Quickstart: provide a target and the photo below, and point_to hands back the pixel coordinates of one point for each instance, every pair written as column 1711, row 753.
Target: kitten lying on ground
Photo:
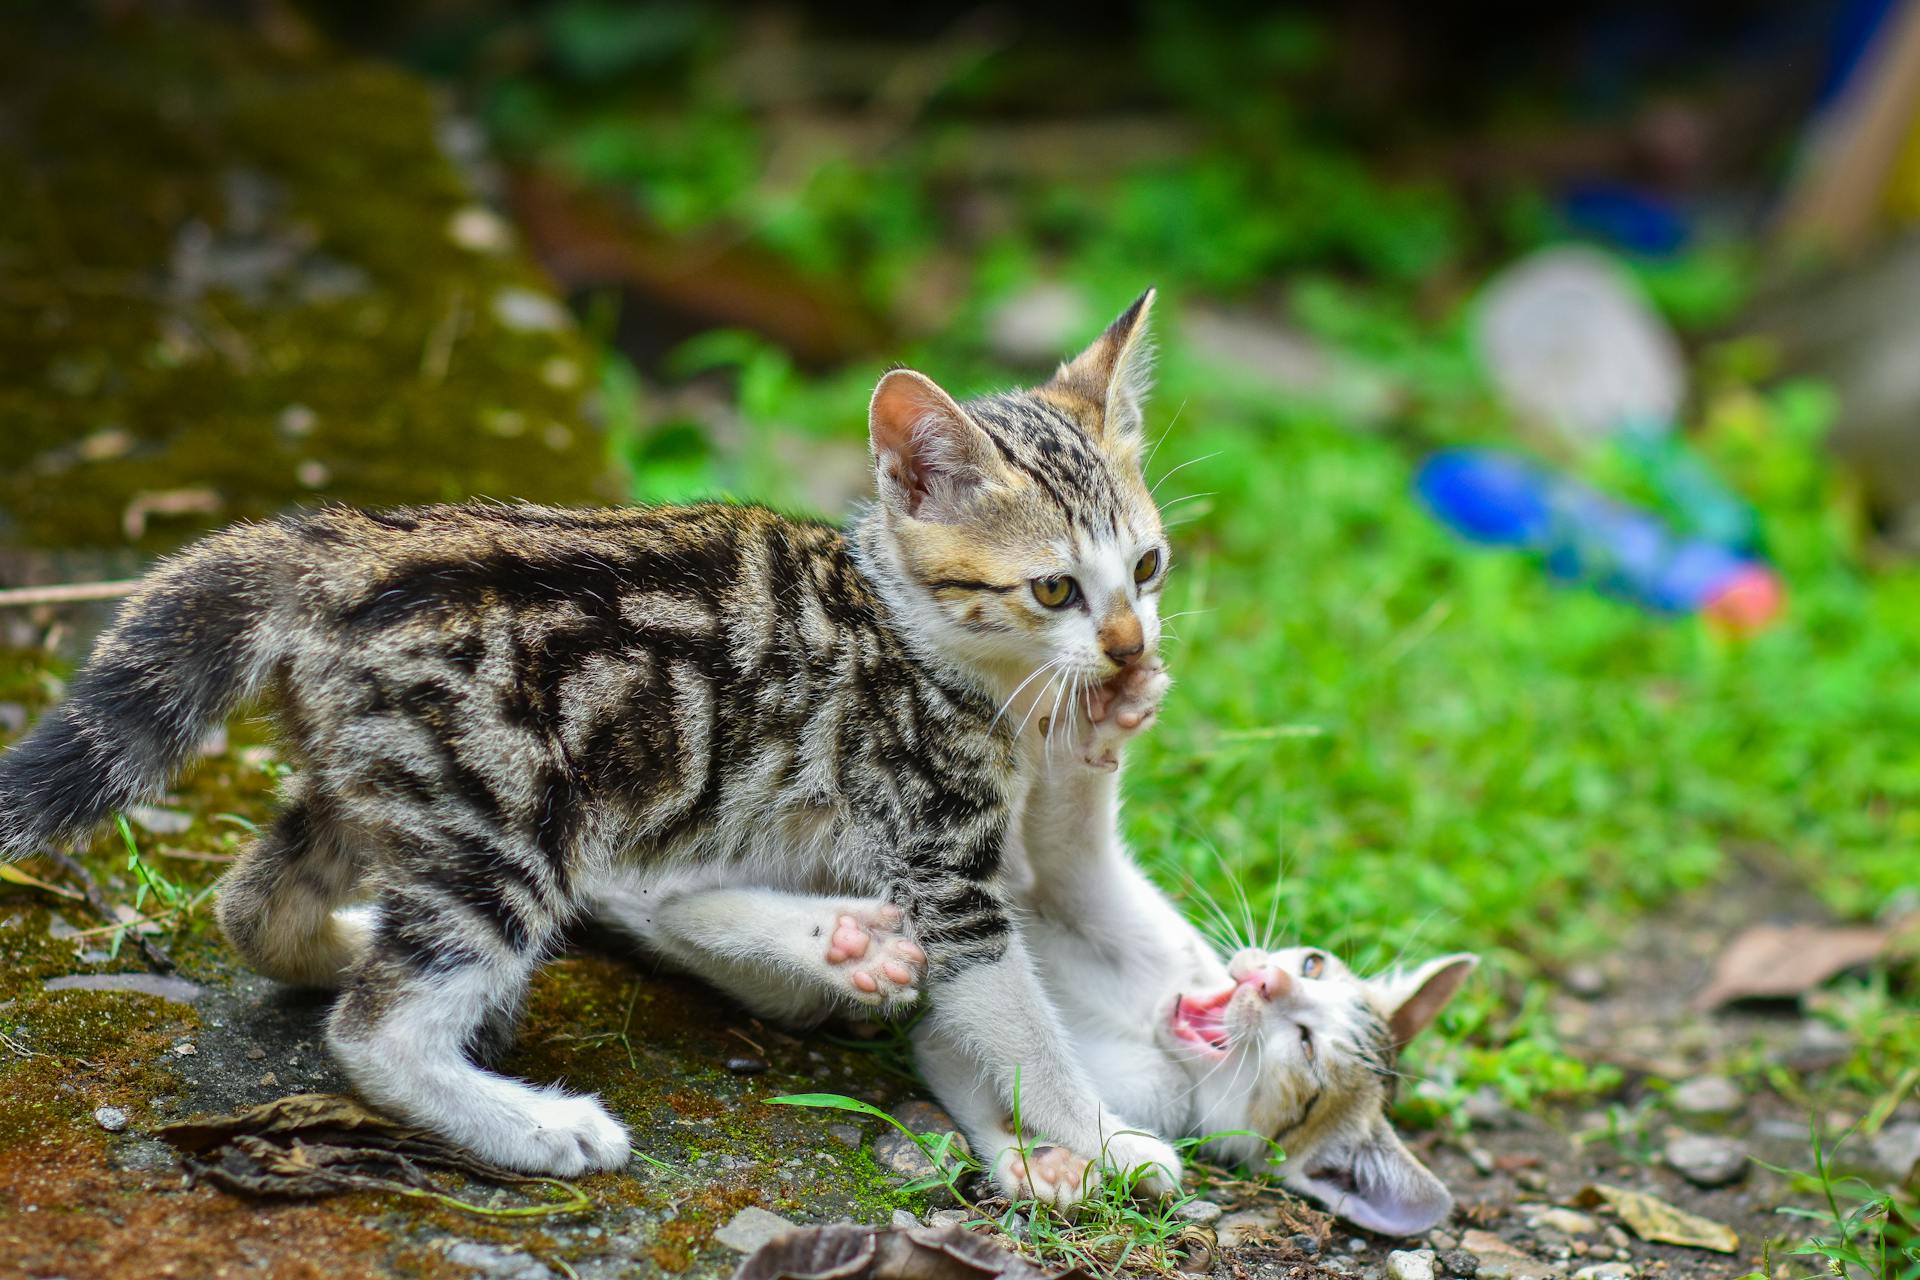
column 1287, row 1047
column 713, row 721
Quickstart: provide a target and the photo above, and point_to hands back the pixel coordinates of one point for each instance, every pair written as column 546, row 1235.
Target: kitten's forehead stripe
column 1056, row 452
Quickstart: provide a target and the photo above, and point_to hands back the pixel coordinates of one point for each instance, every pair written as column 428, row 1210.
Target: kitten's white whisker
column 1148, row 464
column 1205, row 457
column 1038, row 699
column 1191, row 497
column 1037, row 672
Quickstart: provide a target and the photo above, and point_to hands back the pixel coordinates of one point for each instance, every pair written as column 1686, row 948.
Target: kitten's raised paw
column 1051, row 1175
column 881, row 966
column 1120, row 708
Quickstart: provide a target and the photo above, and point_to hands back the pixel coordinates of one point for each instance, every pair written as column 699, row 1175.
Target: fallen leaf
column 843, row 1252
column 317, row 1144
column 1778, row 962
column 14, row 875
column 1656, row 1221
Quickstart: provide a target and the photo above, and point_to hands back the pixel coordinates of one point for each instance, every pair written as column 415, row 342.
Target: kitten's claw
column 881, row 965
column 1061, row 1177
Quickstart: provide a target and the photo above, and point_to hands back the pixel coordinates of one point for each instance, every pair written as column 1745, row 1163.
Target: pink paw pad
column 879, row 962
column 1054, row 1175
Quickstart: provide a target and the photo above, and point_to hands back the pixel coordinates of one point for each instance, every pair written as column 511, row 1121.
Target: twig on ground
column 64, row 593
column 157, row 958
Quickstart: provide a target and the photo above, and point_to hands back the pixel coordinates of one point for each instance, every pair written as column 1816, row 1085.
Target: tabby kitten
column 498, row 712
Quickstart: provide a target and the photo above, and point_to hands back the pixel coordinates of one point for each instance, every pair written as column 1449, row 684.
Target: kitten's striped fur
column 503, row 716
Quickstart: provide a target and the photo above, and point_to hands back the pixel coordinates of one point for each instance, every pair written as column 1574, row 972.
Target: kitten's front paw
column 880, row 965
column 1052, row 1175
column 571, row 1135
column 1121, row 708
column 1157, row 1165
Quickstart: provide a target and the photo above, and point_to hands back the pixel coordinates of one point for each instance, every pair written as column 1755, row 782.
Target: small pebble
column 903, row 1220
column 1459, row 1263
column 269, row 1080
column 948, row 1218
column 1707, row 1160
column 1821, row 1045
column 1585, row 980
column 1198, row 1211
column 1605, row 1271
column 112, row 1119
column 256, row 1053
column 847, row 1135
column 479, row 230
column 1305, row 1244
column 746, row 1065
column 1707, row 1096
column 1566, row 1221
column 750, row 1228
column 524, row 311
column 1411, row 1264
column 185, row 1049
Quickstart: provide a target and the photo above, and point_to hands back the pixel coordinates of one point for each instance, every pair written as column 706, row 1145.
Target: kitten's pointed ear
column 1413, row 999
column 1376, row 1183
column 929, row 456
column 1115, row 374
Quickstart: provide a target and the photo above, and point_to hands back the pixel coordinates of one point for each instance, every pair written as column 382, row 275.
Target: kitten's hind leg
column 436, row 986
column 279, row 904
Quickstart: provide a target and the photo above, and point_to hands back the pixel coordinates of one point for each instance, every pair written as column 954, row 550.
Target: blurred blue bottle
column 1580, row 535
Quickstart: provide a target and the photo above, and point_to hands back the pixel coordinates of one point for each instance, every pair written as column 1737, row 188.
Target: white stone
column 525, row 311
column 1707, row 1096
column 752, row 1227
column 1411, row 1264
column 479, row 230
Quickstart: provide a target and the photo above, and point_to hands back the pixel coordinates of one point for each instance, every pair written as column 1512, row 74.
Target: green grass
column 1860, row 1230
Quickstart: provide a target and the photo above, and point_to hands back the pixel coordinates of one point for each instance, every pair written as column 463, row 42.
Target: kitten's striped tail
column 189, row 645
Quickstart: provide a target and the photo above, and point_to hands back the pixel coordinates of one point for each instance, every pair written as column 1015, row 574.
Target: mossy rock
column 240, row 273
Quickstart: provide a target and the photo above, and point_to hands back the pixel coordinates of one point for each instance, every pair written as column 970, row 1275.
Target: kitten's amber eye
column 1056, row 593
column 1313, row 966
column 1146, row 566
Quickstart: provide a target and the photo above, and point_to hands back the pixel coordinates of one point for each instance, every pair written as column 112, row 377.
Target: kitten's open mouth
column 1202, row 1020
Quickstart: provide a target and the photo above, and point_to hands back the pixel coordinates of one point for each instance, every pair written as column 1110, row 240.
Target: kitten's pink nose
column 1273, row 982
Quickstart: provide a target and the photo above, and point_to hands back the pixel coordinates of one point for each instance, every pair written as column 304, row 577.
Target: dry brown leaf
column 14, row 875
column 1654, row 1220
column 318, row 1144
column 1770, row 961
column 865, row 1253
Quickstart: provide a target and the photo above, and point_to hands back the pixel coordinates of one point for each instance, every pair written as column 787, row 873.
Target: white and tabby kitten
column 1287, row 1046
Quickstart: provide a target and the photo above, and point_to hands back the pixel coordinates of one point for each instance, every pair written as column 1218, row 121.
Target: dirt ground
column 690, row 1073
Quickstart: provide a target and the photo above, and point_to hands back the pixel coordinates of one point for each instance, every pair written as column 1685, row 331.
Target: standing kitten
column 498, row 712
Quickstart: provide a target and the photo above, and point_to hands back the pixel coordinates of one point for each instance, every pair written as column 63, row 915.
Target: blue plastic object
column 1580, row 535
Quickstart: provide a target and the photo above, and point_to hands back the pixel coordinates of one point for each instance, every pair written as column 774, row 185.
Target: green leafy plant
column 175, row 901
column 1865, row 1231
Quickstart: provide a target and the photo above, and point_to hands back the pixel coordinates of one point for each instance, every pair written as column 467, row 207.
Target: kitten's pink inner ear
column 922, row 441
column 1417, row 1012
